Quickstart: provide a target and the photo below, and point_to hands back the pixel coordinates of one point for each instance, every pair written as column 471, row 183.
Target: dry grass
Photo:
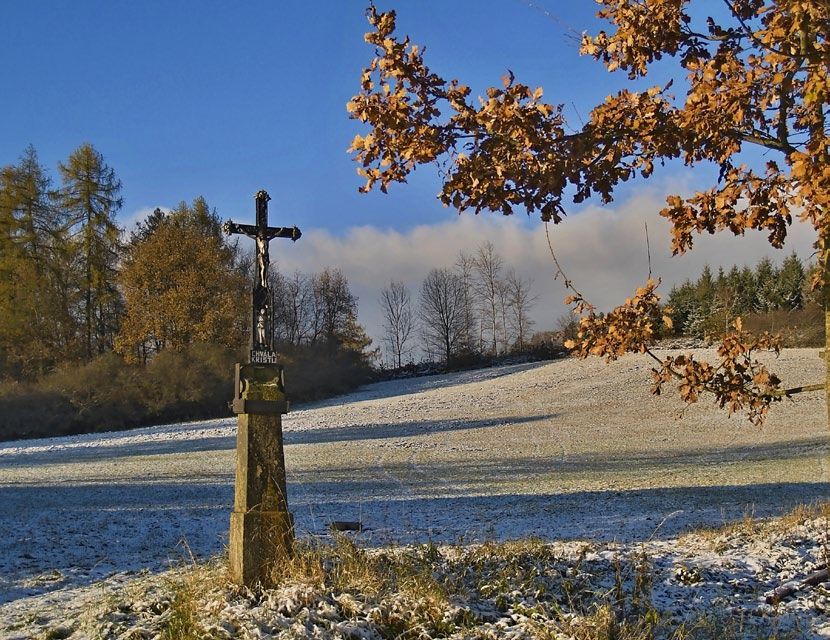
column 749, row 526
column 334, row 588
column 457, row 591
column 188, row 587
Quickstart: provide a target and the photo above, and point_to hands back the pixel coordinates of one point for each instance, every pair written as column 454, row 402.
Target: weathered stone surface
column 259, row 389
column 259, row 542
column 261, row 530
column 261, row 526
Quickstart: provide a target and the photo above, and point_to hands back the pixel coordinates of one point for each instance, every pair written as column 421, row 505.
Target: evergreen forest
column 778, row 299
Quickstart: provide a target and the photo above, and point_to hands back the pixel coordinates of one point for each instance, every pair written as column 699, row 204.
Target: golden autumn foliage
column 754, row 75
column 181, row 286
column 738, row 381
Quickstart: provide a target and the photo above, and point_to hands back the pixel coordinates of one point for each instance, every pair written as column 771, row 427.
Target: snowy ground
column 565, row 450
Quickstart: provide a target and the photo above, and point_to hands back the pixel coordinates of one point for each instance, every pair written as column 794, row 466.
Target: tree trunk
column 825, row 257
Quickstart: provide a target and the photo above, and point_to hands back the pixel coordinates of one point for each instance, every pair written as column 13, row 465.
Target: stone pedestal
column 259, row 543
column 261, row 532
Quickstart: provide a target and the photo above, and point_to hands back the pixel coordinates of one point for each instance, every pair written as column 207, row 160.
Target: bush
column 320, row 371
column 798, row 328
column 549, row 345
column 189, row 385
column 26, row 412
column 105, row 394
column 108, row 394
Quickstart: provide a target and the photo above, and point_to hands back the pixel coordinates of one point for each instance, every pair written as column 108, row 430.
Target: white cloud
column 603, row 250
column 130, row 220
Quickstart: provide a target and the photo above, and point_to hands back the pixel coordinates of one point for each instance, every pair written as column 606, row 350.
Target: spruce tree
column 767, row 293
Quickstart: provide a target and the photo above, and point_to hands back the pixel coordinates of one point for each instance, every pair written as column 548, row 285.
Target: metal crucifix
column 262, row 334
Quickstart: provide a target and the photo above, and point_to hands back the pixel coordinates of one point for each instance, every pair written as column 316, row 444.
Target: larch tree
column 754, row 75
column 91, row 197
column 182, row 285
column 36, row 325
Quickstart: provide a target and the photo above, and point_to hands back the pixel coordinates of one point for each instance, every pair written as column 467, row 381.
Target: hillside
column 566, row 450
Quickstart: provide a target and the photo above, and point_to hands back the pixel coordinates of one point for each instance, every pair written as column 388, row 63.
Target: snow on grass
column 563, row 451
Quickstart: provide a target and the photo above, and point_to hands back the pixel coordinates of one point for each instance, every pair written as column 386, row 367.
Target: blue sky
column 221, row 99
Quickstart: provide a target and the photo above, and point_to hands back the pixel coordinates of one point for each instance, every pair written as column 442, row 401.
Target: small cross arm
column 252, row 231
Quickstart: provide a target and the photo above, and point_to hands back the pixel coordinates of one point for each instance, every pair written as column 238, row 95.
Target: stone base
column 259, row 542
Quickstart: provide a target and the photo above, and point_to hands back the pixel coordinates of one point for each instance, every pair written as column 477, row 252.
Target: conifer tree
column 791, row 278
column 36, row 325
column 768, row 295
column 91, row 197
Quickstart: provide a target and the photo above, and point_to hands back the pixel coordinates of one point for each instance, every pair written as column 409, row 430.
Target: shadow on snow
column 68, row 536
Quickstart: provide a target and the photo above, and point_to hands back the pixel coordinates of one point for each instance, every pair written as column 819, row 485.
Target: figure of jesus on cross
column 262, row 529
column 262, row 339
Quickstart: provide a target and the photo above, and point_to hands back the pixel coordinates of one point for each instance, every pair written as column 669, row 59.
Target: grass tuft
column 522, row 588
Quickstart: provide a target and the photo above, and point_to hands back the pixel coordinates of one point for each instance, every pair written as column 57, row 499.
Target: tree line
column 59, row 252
column 111, row 329
column 708, row 306
column 478, row 307
column 104, row 329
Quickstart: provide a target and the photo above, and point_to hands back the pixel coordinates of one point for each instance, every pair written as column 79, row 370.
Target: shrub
column 799, row 327
column 27, row 412
column 108, row 394
column 192, row 384
column 105, row 394
column 320, row 371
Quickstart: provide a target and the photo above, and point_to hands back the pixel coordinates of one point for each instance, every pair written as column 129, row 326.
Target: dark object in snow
column 786, row 590
column 346, row 525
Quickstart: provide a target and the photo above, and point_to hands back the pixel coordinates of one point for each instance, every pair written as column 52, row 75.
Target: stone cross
column 262, row 529
column 262, row 312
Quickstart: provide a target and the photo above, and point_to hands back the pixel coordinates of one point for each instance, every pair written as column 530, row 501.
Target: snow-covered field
column 565, row 450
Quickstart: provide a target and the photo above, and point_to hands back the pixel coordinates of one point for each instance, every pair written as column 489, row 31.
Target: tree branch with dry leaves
column 757, row 76
column 738, row 382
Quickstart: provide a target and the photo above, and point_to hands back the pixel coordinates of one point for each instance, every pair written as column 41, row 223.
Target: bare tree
column 442, row 312
column 333, row 306
column 505, row 314
column 292, row 308
column 488, row 265
column 398, row 321
column 520, row 294
column 465, row 268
